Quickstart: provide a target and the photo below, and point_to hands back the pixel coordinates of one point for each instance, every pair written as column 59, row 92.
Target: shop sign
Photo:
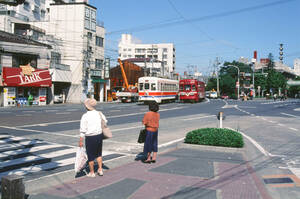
column 42, row 98
column 26, row 76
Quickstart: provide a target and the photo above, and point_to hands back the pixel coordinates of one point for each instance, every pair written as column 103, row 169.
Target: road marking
column 28, row 111
column 290, row 115
column 108, row 117
column 280, row 124
column 51, row 110
column 297, row 109
column 195, row 118
column 63, row 113
column 37, row 131
column 247, row 107
column 272, row 121
column 171, row 142
column 293, row 129
column 258, row 146
column 24, row 115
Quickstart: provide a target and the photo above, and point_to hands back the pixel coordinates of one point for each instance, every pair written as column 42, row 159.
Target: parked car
column 224, row 96
column 58, row 98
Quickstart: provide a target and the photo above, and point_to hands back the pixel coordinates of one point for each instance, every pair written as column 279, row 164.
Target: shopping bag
column 142, row 136
column 81, row 159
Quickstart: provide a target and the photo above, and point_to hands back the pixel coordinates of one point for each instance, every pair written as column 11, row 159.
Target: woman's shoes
column 147, row 161
column 100, row 173
column 153, row 161
column 91, row 175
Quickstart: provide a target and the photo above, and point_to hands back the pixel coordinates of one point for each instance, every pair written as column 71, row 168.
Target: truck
column 129, row 93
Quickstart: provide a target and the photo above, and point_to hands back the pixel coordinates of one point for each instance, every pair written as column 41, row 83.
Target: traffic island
column 215, row 137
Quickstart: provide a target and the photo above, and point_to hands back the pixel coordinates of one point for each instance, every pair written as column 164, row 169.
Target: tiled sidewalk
column 181, row 173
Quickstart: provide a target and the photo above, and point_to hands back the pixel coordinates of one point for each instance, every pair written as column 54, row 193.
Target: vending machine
column 9, row 96
column 42, row 96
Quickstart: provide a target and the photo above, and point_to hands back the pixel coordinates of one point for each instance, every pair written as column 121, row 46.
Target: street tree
column 275, row 80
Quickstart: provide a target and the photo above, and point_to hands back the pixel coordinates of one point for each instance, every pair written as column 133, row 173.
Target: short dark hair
column 153, row 107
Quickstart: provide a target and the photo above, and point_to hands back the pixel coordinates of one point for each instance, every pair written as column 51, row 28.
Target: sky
column 203, row 30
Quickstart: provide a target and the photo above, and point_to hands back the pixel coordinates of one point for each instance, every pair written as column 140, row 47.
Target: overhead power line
column 208, row 17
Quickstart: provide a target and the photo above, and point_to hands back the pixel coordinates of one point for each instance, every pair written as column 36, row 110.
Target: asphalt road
column 45, row 137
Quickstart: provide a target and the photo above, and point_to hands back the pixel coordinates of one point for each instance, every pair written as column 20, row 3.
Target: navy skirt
column 93, row 145
column 150, row 144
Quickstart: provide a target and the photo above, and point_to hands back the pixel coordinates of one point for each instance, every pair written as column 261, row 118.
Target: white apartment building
column 162, row 55
column 297, row 66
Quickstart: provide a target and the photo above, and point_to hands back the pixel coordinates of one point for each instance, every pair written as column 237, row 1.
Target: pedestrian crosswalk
column 24, row 157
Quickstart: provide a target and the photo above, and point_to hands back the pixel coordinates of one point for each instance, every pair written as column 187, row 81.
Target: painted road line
column 24, row 115
column 171, row 142
column 196, row 118
column 108, row 117
column 258, row 146
column 28, row 111
column 290, row 115
column 29, row 150
column 37, row 131
column 293, row 129
column 63, row 113
column 271, row 121
column 280, row 124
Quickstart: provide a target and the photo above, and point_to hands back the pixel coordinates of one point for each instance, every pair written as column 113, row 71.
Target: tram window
column 187, row 87
column 193, row 88
column 181, row 87
column 153, row 87
column 141, row 86
column 146, row 86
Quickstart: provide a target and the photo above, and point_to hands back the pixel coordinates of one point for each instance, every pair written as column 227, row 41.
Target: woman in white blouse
column 90, row 129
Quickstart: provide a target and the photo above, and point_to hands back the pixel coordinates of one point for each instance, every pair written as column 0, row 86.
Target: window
column 125, row 49
column 87, row 24
column 93, row 14
column 141, row 86
column 129, row 49
column 99, row 41
column 99, row 64
column 93, row 26
column 193, row 87
column 181, row 87
column 165, row 50
column 153, row 86
column 187, row 87
column 89, row 35
column 43, row 13
column 165, row 56
column 87, row 13
column 26, row 6
column 125, row 56
column 146, row 86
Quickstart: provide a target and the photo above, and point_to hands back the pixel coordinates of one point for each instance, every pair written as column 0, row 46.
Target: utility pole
column 216, row 65
column 163, row 63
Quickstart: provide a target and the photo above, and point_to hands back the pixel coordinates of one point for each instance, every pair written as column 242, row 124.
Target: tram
column 191, row 90
column 157, row 89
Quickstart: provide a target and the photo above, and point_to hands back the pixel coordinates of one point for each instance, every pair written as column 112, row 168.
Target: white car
column 213, row 95
column 58, row 98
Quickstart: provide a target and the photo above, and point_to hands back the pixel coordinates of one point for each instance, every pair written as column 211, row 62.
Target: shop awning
column 26, row 76
column 98, row 80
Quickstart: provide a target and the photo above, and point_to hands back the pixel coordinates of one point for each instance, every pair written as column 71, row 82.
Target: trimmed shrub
column 215, row 137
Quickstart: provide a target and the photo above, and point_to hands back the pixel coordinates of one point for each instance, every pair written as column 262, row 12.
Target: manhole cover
column 278, row 180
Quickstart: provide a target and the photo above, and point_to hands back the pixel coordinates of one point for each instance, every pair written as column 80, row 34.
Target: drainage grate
column 278, row 180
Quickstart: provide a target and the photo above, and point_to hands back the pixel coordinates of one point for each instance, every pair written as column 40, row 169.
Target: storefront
column 25, row 86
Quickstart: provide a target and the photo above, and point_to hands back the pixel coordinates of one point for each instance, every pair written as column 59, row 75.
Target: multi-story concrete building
column 76, row 60
column 297, row 66
column 162, row 55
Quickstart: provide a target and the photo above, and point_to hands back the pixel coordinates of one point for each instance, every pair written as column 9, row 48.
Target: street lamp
column 238, row 86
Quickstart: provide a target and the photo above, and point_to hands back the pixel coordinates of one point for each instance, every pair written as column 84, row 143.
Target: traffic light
column 12, row 2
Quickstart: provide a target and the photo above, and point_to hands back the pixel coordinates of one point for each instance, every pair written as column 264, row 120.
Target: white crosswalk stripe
column 22, row 156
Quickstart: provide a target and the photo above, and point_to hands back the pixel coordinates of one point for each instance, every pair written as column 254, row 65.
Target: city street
column 40, row 141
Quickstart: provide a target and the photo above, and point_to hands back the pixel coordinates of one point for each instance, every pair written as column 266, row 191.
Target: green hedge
column 215, row 137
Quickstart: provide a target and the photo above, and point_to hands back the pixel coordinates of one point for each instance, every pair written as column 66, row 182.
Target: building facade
column 159, row 58
column 297, row 66
column 76, row 60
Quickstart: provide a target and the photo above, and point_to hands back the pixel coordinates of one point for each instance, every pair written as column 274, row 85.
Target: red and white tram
column 191, row 90
column 157, row 89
